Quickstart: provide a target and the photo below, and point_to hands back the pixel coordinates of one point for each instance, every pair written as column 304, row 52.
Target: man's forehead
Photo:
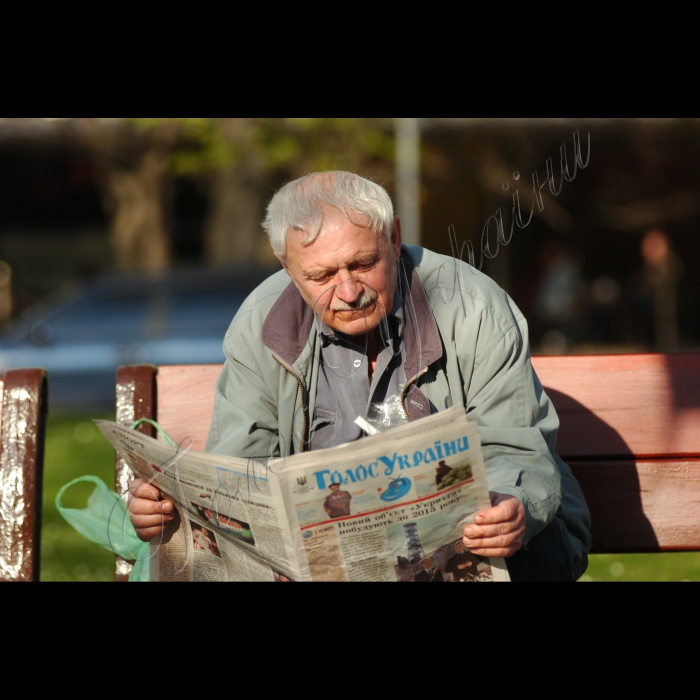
column 340, row 252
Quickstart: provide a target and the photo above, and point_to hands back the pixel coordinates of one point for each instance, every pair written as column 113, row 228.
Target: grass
column 668, row 566
column 75, row 447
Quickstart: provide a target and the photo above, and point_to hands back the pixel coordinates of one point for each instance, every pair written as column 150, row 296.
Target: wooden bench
column 23, row 411
column 630, row 431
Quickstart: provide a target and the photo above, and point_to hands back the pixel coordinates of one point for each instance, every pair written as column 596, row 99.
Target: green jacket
column 466, row 342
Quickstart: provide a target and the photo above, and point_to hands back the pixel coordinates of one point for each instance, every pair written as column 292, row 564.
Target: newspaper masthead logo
column 398, row 488
column 389, row 465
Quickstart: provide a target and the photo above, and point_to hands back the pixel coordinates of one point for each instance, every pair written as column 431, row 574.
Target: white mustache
column 367, row 298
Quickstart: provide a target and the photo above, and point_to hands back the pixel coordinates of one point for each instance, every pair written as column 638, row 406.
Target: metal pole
column 407, row 140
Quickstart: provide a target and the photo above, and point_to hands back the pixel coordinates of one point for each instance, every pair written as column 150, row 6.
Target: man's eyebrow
column 313, row 274
column 322, row 272
column 363, row 259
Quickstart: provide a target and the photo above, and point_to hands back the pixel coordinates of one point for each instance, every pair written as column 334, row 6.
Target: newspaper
column 388, row 507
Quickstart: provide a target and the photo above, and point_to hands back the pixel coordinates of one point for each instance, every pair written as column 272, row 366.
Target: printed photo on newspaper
column 389, row 507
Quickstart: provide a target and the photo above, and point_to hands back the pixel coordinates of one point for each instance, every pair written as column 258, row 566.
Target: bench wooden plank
column 605, row 402
column 186, row 401
column 643, row 405
column 24, row 402
column 642, row 506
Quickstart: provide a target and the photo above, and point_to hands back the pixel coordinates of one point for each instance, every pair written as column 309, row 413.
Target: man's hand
column 148, row 513
column 498, row 531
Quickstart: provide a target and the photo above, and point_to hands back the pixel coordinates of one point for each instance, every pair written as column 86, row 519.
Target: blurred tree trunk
column 232, row 232
column 138, row 232
column 136, row 187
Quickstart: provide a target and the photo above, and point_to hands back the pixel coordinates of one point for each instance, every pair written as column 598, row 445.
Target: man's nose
column 349, row 290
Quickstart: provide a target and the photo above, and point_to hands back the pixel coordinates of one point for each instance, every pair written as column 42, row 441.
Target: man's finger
column 498, row 531
column 141, row 506
column 146, row 534
column 502, row 546
column 141, row 489
column 141, row 521
column 504, row 508
column 502, row 540
column 495, row 552
column 475, row 532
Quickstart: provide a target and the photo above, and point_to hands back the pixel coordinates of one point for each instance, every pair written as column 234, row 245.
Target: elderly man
column 365, row 320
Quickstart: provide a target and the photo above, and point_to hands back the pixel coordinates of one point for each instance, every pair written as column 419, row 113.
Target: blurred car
column 82, row 334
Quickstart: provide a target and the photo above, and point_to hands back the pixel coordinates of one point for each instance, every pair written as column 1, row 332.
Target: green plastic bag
column 106, row 522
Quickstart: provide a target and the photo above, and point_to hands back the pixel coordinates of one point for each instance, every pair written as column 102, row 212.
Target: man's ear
column 284, row 264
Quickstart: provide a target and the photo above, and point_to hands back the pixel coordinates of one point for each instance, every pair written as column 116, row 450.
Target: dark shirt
column 345, row 390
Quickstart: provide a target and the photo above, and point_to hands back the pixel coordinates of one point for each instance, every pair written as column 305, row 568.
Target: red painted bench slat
column 191, row 386
column 642, row 505
column 622, row 405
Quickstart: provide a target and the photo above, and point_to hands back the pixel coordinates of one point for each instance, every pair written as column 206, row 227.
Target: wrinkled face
column 348, row 274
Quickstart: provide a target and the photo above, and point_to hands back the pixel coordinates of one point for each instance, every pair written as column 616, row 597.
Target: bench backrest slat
column 609, row 405
column 624, row 405
column 186, row 401
column 643, row 505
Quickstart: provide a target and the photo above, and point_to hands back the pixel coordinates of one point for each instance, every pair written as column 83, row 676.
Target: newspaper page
column 388, row 507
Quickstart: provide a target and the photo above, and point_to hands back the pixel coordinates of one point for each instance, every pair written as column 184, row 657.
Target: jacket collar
column 290, row 322
column 288, row 325
column 421, row 335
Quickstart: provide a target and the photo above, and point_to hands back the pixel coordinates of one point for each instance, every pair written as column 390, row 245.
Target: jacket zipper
column 413, row 379
column 303, row 402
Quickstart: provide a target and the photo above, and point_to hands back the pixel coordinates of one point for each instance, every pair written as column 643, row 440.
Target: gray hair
column 299, row 206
